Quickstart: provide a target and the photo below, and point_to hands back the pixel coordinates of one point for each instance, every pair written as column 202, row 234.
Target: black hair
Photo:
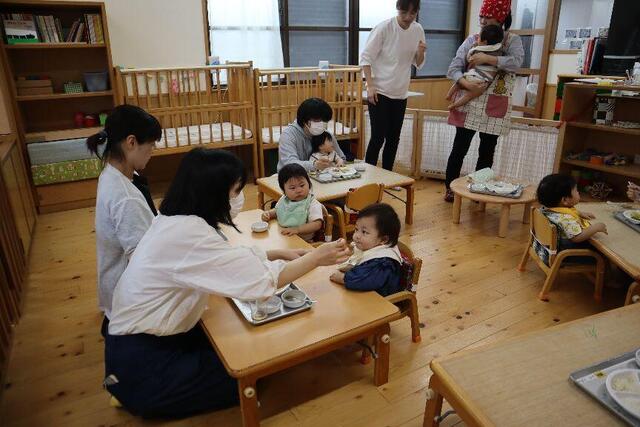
column 408, row 5
column 387, row 221
column 292, row 170
column 202, row 184
column 553, row 188
column 123, row 121
column 492, row 34
column 318, row 140
column 507, row 21
column 313, row 108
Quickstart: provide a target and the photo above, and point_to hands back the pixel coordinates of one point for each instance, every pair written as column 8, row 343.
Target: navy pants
column 167, row 376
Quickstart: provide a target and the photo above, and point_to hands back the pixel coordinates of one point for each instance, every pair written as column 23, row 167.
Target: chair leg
column 600, row 271
column 525, row 257
column 415, row 320
column 551, row 277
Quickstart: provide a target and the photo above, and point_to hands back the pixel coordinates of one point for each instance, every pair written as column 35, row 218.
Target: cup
column 259, row 309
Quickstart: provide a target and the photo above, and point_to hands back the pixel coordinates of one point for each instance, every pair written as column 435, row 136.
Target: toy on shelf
column 600, row 190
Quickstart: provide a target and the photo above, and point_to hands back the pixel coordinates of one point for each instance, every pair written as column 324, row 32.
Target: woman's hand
column 332, row 253
column 286, row 254
column 321, row 164
column 339, row 161
column 337, row 277
column 372, row 94
column 482, row 58
column 289, row 231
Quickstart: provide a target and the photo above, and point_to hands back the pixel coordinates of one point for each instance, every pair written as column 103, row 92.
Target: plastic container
column 96, row 81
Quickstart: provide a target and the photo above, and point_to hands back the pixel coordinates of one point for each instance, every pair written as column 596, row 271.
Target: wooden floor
column 470, row 294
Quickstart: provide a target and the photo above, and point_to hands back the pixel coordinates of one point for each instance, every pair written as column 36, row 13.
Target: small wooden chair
column 633, row 294
column 545, row 235
column 356, row 200
column 325, row 234
column 405, row 300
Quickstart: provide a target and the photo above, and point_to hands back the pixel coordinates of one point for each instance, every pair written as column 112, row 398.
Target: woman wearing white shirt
column 392, row 48
column 158, row 361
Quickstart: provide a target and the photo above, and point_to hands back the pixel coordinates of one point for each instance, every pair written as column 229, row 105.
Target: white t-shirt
column 122, row 218
column 178, row 263
column 391, row 51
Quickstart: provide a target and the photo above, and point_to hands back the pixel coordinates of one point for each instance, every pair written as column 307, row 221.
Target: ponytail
column 508, row 21
column 94, row 141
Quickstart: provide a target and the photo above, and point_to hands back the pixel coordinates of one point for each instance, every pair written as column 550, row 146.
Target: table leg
column 381, row 367
column 408, row 217
column 504, row 220
column 482, row 206
column 457, row 206
column 526, row 215
column 260, row 199
column 433, row 408
column 248, row 402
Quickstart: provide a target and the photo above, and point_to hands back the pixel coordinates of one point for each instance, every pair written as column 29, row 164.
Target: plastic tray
column 592, row 381
column 622, row 218
column 314, row 176
column 244, row 307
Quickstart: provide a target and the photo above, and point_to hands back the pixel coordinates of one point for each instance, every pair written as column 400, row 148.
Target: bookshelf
column 580, row 133
column 45, row 117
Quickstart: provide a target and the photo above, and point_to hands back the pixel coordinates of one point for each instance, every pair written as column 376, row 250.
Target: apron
column 293, row 214
column 490, row 112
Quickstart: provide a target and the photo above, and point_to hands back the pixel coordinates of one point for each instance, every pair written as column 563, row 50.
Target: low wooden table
column 460, row 188
column 621, row 245
column 340, row 317
column 524, row 381
column 336, row 190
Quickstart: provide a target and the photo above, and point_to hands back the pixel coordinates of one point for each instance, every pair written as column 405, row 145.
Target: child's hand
column 337, row 277
column 600, row 227
column 339, row 161
column 586, row 215
column 265, row 216
column 289, row 231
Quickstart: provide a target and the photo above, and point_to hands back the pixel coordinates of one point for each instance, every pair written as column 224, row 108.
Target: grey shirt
column 122, row 218
column 295, row 147
column 509, row 62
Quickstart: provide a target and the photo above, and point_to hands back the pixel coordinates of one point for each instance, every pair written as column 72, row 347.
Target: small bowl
column 293, row 298
column 259, row 227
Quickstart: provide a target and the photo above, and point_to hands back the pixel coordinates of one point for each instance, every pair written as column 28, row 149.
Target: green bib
column 293, row 214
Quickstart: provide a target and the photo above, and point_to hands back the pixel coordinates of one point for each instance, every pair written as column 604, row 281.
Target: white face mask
column 236, row 204
column 316, row 128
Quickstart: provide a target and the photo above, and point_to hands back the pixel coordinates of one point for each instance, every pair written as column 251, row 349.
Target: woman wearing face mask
column 392, row 48
column 295, row 142
column 490, row 112
column 158, row 361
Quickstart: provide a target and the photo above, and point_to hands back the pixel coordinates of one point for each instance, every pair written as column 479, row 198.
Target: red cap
column 496, row 9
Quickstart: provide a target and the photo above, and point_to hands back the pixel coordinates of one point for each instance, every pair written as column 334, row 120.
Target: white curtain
column 246, row 30
column 526, row 155
column 405, row 146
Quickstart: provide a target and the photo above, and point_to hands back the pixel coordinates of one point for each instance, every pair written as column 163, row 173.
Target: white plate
column 273, row 304
column 628, row 215
column 623, row 386
column 500, row 187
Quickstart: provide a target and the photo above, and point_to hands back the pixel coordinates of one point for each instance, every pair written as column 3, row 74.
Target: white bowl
column 360, row 167
column 273, row 304
column 623, row 386
column 259, row 227
column 293, row 298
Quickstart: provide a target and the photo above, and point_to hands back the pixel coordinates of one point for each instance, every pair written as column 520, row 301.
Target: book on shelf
column 29, row 28
column 19, row 28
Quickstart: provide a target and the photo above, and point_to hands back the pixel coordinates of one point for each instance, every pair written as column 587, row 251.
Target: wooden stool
column 460, row 188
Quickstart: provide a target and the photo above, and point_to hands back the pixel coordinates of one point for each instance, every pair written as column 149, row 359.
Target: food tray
column 244, row 307
column 621, row 218
column 515, row 195
column 592, row 381
column 314, row 176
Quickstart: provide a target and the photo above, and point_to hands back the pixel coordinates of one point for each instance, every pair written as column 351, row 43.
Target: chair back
column 325, row 234
column 361, row 197
column 544, row 232
column 410, row 268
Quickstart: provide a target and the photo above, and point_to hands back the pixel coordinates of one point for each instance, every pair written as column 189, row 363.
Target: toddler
column 322, row 148
column 490, row 43
column 376, row 261
column 297, row 211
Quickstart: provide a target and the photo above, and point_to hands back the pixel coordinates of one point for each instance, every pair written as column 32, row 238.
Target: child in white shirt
column 322, row 147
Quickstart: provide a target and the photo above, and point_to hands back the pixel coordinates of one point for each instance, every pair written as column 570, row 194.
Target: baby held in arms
column 490, row 43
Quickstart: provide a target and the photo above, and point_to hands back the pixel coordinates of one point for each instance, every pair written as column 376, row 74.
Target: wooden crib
column 211, row 106
column 279, row 92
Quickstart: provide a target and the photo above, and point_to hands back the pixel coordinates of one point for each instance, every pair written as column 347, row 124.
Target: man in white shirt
column 392, row 48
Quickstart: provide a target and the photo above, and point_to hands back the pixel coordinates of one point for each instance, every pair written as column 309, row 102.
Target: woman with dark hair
column 158, row 361
column 124, row 208
column 490, row 112
column 295, row 142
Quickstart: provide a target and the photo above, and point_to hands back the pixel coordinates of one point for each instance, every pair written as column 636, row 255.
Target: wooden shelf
column 595, row 86
column 55, row 135
column 64, row 96
column 632, row 171
column 605, row 128
column 80, row 45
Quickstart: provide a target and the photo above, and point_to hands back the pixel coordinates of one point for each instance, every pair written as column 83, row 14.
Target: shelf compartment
column 631, row 171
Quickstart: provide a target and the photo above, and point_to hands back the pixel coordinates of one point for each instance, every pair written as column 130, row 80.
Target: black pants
column 461, row 145
column 386, row 119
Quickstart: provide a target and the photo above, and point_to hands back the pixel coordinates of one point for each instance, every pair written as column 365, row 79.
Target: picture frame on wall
column 571, row 33
column 584, row 33
column 576, row 44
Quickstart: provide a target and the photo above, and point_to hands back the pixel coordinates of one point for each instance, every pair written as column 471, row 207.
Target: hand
column 372, row 94
column 291, row 254
column 472, row 86
column 422, row 46
column 482, row 58
column 321, row 164
column 600, row 227
column 586, row 215
column 337, row 277
column 289, row 231
column 339, row 161
column 332, row 253
column 266, row 216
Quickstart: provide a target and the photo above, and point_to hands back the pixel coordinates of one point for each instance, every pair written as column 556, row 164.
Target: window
column 305, row 32
column 580, row 20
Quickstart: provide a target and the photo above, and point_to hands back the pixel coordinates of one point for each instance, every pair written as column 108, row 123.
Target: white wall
column 156, row 33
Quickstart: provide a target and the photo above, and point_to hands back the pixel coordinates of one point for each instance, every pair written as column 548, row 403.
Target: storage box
column 26, row 91
column 22, row 82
